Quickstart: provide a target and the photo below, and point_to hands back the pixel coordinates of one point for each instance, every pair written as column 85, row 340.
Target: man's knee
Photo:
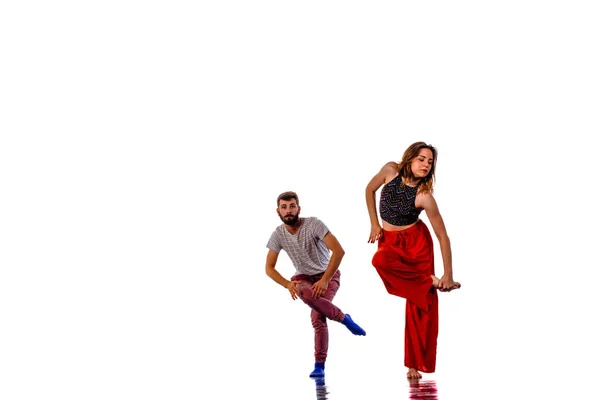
column 304, row 290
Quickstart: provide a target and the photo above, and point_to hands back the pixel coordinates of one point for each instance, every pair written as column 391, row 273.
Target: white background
column 143, row 145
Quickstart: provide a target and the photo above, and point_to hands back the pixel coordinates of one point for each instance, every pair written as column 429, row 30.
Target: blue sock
column 319, row 370
column 352, row 326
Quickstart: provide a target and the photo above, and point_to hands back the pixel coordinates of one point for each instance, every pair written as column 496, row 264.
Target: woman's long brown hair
column 425, row 184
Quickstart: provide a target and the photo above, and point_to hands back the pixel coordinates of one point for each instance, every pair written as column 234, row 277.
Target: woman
column 404, row 257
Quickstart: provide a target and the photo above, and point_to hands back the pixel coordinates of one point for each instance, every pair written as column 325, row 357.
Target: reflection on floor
column 417, row 389
column 420, row 389
column 321, row 388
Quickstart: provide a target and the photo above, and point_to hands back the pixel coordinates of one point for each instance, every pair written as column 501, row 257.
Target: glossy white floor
column 143, row 145
column 491, row 346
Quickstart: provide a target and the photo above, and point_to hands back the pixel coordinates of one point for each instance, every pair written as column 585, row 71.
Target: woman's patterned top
column 397, row 203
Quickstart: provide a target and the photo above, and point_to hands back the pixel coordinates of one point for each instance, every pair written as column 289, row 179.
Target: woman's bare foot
column 413, row 374
column 455, row 286
column 435, row 282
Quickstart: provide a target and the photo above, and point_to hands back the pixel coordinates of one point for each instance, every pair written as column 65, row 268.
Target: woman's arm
column 427, row 202
column 387, row 172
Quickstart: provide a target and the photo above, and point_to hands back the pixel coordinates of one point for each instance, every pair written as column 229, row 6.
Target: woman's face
column 422, row 163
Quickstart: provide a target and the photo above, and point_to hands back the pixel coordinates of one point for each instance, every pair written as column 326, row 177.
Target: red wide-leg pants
column 404, row 261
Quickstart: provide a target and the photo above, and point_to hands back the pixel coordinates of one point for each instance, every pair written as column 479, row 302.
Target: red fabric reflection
column 422, row 390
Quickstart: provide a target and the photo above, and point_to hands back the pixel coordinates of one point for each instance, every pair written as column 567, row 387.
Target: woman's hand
column 375, row 233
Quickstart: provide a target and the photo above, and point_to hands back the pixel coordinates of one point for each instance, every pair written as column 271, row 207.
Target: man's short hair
column 287, row 196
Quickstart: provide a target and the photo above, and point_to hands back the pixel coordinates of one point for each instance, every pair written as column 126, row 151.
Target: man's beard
column 289, row 221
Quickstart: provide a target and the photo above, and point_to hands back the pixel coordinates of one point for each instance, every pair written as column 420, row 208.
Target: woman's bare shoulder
column 425, row 200
column 391, row 165
column 389, row 171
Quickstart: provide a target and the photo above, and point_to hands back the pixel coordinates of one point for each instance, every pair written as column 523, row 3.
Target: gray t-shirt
column 306, row 249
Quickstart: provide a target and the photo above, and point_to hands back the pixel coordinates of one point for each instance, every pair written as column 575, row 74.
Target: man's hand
column 319, row 288
column 291, row 286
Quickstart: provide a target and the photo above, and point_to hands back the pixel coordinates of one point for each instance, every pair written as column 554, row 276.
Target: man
column 308, row 243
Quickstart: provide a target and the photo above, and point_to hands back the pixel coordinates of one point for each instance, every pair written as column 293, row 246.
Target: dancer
column 404, row 256
column 308, row 243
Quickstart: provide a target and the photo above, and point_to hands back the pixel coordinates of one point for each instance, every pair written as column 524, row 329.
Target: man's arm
column 337, row 253
column 277, row 277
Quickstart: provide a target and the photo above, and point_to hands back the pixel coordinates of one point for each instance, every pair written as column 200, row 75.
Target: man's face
column 288, row 211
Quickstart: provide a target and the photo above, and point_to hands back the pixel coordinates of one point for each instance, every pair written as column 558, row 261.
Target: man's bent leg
column 323, row 304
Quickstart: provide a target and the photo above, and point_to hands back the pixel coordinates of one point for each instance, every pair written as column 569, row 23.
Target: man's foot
column 413, row 374
column 319, row 371
column 352, row 326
